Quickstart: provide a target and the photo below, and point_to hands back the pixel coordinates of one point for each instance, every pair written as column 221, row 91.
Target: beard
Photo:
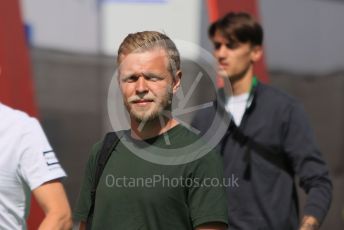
column 157, row 107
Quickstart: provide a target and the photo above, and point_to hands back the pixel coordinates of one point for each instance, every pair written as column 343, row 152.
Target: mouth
column 223, row 65
column 142, row 102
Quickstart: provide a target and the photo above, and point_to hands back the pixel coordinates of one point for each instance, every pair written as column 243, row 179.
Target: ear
column 256, row 53
column 177, row 80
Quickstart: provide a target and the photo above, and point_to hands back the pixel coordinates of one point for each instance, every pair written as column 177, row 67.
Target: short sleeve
column 83, row 204
column 207, row 198
column 38, row 163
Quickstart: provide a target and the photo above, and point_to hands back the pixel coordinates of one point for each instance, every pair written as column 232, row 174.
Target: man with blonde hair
column 134, row 192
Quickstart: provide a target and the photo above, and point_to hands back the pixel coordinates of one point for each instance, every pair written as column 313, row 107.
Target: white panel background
column 179, row 19
column 69, row 25
column 302, row 36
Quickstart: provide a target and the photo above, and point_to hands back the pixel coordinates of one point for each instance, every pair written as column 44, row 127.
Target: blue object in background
column 28, row 33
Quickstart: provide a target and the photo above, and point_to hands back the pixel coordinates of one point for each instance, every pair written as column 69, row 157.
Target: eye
column 217, row 45
column 232, row 45
column 130, row 79
column 153, row 78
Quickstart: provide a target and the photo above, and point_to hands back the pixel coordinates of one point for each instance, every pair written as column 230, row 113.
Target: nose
column 221, row 52
column 141, row 85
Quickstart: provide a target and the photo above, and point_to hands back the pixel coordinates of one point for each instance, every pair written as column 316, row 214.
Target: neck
column 241, row 84
column 144, row 130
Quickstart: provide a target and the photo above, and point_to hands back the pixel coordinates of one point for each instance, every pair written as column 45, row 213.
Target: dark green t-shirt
column 136, row 194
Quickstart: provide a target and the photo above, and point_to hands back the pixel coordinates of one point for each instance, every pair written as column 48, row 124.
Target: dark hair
column 238, row 27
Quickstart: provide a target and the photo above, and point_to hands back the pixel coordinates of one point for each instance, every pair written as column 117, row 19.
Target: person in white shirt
column 236, row 106
column 28, row 164
column 269, row 141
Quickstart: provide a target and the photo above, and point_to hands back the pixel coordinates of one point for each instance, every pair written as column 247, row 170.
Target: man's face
column 234, row 59
column 146, row 84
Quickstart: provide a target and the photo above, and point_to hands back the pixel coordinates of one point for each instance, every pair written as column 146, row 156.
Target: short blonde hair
column 148, row 40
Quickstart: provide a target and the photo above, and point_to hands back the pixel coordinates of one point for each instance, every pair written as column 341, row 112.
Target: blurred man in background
column 269, row 140
column 28, row 163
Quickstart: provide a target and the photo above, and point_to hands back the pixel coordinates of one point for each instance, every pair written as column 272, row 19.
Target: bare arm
column 53, row 200
column 212, row 226
column 309, row 223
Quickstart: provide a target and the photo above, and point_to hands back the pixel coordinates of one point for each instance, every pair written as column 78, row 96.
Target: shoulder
column 273, row 95
column 194, row 142
column 211, row 162
column 208, row 166
column 274, row 100
column 96, row 148
column 212, row 156
column 94, row 151
column 211, row 159
column 19, row 126
column 16, row 118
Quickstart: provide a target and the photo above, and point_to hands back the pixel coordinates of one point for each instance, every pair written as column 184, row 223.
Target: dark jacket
column 273, row 144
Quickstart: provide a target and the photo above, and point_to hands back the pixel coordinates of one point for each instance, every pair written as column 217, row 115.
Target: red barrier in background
column 218, row 8
column 16, row 88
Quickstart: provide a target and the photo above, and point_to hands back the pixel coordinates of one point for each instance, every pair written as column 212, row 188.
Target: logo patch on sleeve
column 50, row 158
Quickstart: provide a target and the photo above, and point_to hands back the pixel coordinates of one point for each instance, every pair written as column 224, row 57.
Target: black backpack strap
column 110, row 141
